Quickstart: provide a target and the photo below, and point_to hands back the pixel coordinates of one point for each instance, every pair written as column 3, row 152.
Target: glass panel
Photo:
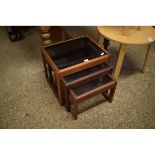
column 85, row 72
column 73, row 52
column 92, row 85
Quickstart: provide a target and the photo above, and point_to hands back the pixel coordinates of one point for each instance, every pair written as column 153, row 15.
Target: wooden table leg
column 111, row 94
column 119, row 61
column 106, row 43
column 59, row 91
column 45, row 35
column 146, row 58
column 98, row 37
column 74, row 110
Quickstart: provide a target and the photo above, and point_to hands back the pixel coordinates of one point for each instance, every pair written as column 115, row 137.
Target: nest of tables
column 78, row 69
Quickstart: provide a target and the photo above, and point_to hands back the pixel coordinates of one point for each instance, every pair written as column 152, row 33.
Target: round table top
column 146, row 35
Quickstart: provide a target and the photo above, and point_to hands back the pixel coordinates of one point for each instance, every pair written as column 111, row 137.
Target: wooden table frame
column 60, row 73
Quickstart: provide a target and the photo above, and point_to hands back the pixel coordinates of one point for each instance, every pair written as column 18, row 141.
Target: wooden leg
column 50, row 74
column 106, row 43
column 119, row 61
column 67, row 102
column 59, row 91
column 111, row 94
column 98, row 37
column 45, row 35
column 45, row 68
column 146, row 58
column 73, row 107
column 74, row 110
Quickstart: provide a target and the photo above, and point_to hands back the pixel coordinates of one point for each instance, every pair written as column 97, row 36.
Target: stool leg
column 146, row 58
column 119, row 61
column 106, row 43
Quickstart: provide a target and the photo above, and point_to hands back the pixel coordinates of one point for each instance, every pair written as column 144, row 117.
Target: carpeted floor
column 27, row 101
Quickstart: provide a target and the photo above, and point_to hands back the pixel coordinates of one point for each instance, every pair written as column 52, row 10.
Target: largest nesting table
column 71, row 56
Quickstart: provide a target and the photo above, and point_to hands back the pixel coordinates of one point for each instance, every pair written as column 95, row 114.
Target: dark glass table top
column 74, row 52
column 92, row 85
column 85, row 72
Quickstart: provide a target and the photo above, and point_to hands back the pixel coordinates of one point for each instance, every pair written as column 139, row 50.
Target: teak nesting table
column 79, row 69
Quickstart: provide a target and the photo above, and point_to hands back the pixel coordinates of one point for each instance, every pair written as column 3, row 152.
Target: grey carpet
column 27, row 101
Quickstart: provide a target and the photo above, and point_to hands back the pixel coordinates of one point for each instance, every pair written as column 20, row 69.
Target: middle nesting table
column 71, row 56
